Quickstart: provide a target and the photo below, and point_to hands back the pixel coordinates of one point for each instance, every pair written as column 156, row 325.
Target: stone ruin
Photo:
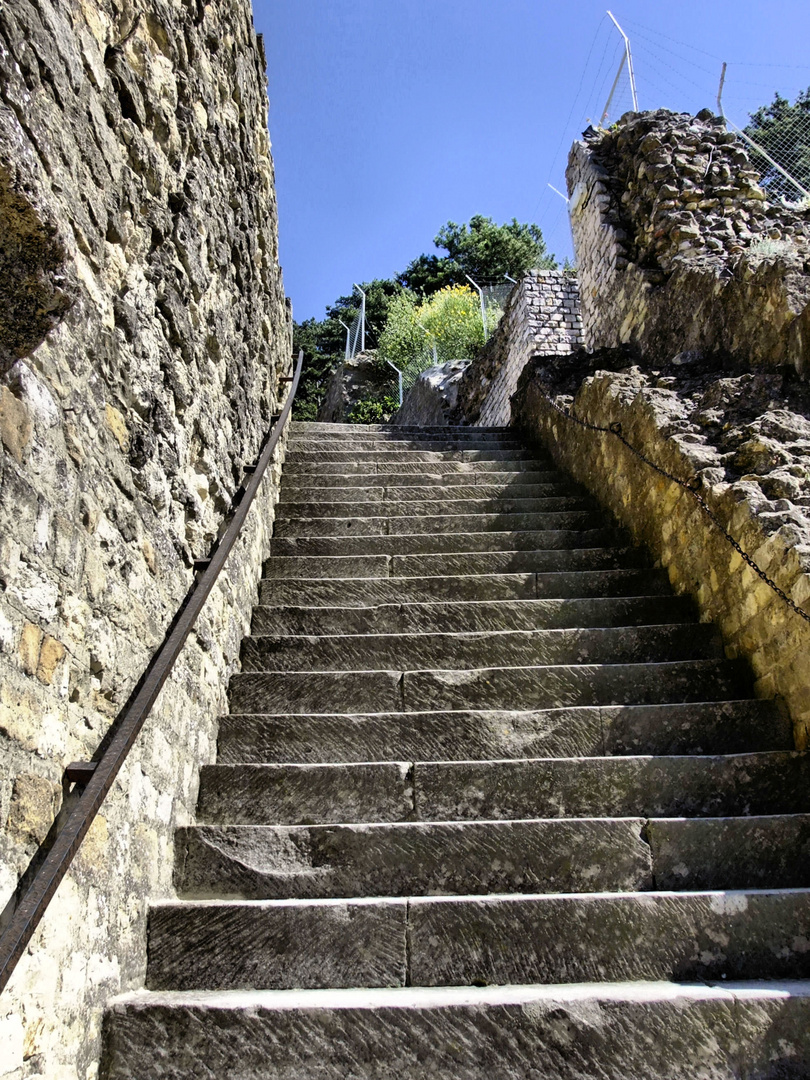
column 680, row 249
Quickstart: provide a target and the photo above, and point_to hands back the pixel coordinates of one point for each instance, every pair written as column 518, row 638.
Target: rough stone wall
column 431, row 401
column 541, row 316
column 679, row 249
column 745, row 440
column 142, row 333
column 353, row 381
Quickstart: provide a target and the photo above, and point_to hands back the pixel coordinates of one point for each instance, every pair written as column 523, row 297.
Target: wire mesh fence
column 355, row 336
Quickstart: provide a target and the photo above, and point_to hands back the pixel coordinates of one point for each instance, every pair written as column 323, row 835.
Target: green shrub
column 451, row 319
column 373, row 410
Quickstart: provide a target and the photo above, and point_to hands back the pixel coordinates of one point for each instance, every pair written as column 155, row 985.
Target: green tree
column 783, row 130
column 482, row 249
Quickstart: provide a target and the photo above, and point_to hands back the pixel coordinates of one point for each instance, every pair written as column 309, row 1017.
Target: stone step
column 405, row 859
column 474, row 615
column 387, row 455
column 486, row 648
column 261, row 862
column 302, row 444
column 728, row 785
column 446, row 543
column 474, row 941
column 695, row 728
column 450, row 564
column 400, row 499
column 490, row 688
column 466, row 478
column 451, row 508
column 613, row 1031
column 444, row 523
column 322, row 428
column 297, row 469
column 366, row 592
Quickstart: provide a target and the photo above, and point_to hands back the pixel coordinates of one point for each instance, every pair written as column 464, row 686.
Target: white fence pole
column 348, row 335
column 399, row 374
column 362, row 319
column 483, row 305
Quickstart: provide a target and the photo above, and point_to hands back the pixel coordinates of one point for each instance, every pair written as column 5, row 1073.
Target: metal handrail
column 98, row 776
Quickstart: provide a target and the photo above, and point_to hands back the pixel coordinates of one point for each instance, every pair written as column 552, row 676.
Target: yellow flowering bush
column 450, row 319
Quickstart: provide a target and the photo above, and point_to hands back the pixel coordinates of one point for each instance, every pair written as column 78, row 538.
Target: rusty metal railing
column 97, row 776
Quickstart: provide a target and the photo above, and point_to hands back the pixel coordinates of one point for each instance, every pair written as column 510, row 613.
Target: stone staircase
column 489, row 802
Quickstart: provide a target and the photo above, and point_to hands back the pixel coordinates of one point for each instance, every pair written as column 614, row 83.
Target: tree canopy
column 482, row 249
column 783, row 130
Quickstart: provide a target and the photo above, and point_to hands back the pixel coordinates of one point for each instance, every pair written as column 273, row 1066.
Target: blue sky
column 390, row 117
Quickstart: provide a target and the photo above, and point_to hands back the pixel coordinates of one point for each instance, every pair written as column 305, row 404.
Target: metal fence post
column 362, row 319
column 348, row 335
column 483, row 305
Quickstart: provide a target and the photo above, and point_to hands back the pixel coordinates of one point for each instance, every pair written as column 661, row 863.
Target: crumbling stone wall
column 744, row 440
column 679, row 248
column 541, row 316
column 143, row 332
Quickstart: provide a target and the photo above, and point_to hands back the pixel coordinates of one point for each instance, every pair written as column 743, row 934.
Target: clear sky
column 390, row 117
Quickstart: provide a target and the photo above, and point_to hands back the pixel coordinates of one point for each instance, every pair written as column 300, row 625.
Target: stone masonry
column 541, row 316
column 679, row 248
column 142, row 333
column 735, row 437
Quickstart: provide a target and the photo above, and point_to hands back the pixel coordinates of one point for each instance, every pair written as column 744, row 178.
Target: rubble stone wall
column 541, row 316
column 143, row 331
column 744, row 439
column 679, row 249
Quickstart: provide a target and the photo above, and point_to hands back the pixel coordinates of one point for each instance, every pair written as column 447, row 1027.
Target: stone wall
column 541, row 316
column 142, row 333
column 353, row 381
column 679, row 248
column 745, row 440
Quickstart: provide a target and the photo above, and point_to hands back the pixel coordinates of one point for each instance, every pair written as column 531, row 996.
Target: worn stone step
column 365, row 592
column 609, row 1031
column 489, row 688
column 261, row 862
column 442, row 523
column 442, row 564
column 465, row 477
column 475, row 649
column 304, row 444
column 388, row 455
column 278, row 862
column 315, row 428
column 696, row 728
column 362, row 592
column 773, row 782
column 401, row 499
column 452, row 508
column 469, row 941
column 322, row 469
column 443, row 543
column 473, row 615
